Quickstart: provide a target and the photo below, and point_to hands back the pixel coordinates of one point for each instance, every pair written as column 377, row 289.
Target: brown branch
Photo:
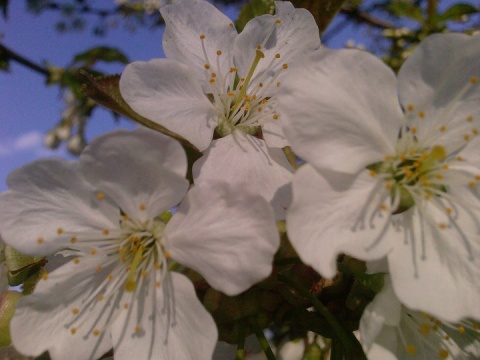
column 11, row 55
column 358, row 15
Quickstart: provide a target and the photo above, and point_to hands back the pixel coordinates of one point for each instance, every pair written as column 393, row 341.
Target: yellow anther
column 475, row 131
column 73, row 330
column 439, row 176
column 442, row 226
column 388, row 186
column 275, row 116
column 231, row 25
column 212, row 81
column 443, row 354
column 40, row 240
column 475, row 326
column 372, row 173
column 213, row 75
column 421, row 114
column 206, row 66
column 384, row 207
column 470, row 118
column 449, row 211
column 100, row 196
column 277, row 56
column 125, row 218
column 278, row 21
column 461, row 329
column 45, row 275
column 202, row 37
column 445, row 167
column 110, row 277
column 285, row 66
column 425, row 329
column 233, row 69
column 158, row 284
column 143, row 273
column 472, row 184
column 59, row 231
column 459, row 158
column 413, row 130
column 278, row 83
column 99, row 268
column 411, row 349
column 466, row 137
column 96, row 332
column 125, row 306
column 260, row 85
column 219, row 52
column 100, row 297
column 410, row 107
column 157, row 266
column 76, row 261
column 93, row 252
column 75, row 311
column 142, row 207
column 259, row 46
column 73, row 240
column 443, row 128
column 474, row 79
column 105, row 232
column 138, row 329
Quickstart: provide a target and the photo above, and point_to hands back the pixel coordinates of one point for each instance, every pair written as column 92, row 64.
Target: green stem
column 240, row 354
column 349, row 342
column 262, row 340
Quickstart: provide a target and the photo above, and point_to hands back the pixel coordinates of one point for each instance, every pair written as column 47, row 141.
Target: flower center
column 243, row 101
column 412, row 173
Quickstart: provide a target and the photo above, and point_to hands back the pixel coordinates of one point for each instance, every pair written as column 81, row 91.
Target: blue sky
column 28, row 109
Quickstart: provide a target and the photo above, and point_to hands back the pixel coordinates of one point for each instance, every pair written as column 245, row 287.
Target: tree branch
column 11, row 55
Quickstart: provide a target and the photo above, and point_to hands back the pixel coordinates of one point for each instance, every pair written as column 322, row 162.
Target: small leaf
column 19, row 266
column 456, row 11
column 101, row 53
column 406, row 9
column 253, row 9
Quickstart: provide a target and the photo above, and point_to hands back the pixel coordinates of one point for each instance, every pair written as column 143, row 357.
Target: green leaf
column 253, row 9
column 403, row 8
column 105, row 91
column 456, row 11
column 101, row 53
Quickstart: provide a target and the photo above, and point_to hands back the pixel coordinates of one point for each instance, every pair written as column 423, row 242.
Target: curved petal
column 45, row 320
column 133, row 168
column 47, row 201
column 436, row 269
column 326, row 219
column 185, row 21
column 241, row 160
column 165, row 325
column 336, row 118
column 442, row 90
column 226, row 233
column 272, row 132
column 290, row 33
column 168, row 93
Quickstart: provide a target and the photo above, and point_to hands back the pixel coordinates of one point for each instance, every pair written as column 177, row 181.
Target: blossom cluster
column 389, row 174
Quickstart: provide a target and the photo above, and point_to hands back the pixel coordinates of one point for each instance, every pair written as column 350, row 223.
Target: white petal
column 228, row 234
column 151, row 329
column 185, row 21
column 337, row 118
column 47, row 200
column 244, row 159
column 442, row 89
column 326, row 219
column 273, row 134
column 295, row 35
column 138, row 170
column 436, row 269
column 169, row 94
column 44, row 321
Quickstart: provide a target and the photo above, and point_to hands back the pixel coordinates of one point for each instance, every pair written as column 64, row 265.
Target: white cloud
column 30, row 141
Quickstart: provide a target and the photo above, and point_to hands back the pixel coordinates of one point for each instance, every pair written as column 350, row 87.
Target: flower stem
column 262, row 340
column 348, row 340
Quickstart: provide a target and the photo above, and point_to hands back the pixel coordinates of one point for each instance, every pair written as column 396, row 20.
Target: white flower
column 391, row 331
column 108, row 210
column 217, row 83
column 384, row 178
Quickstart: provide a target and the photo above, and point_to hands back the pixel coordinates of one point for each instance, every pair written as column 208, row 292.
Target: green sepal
column 8, row 300
column 20, row 266
column 253, row 9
